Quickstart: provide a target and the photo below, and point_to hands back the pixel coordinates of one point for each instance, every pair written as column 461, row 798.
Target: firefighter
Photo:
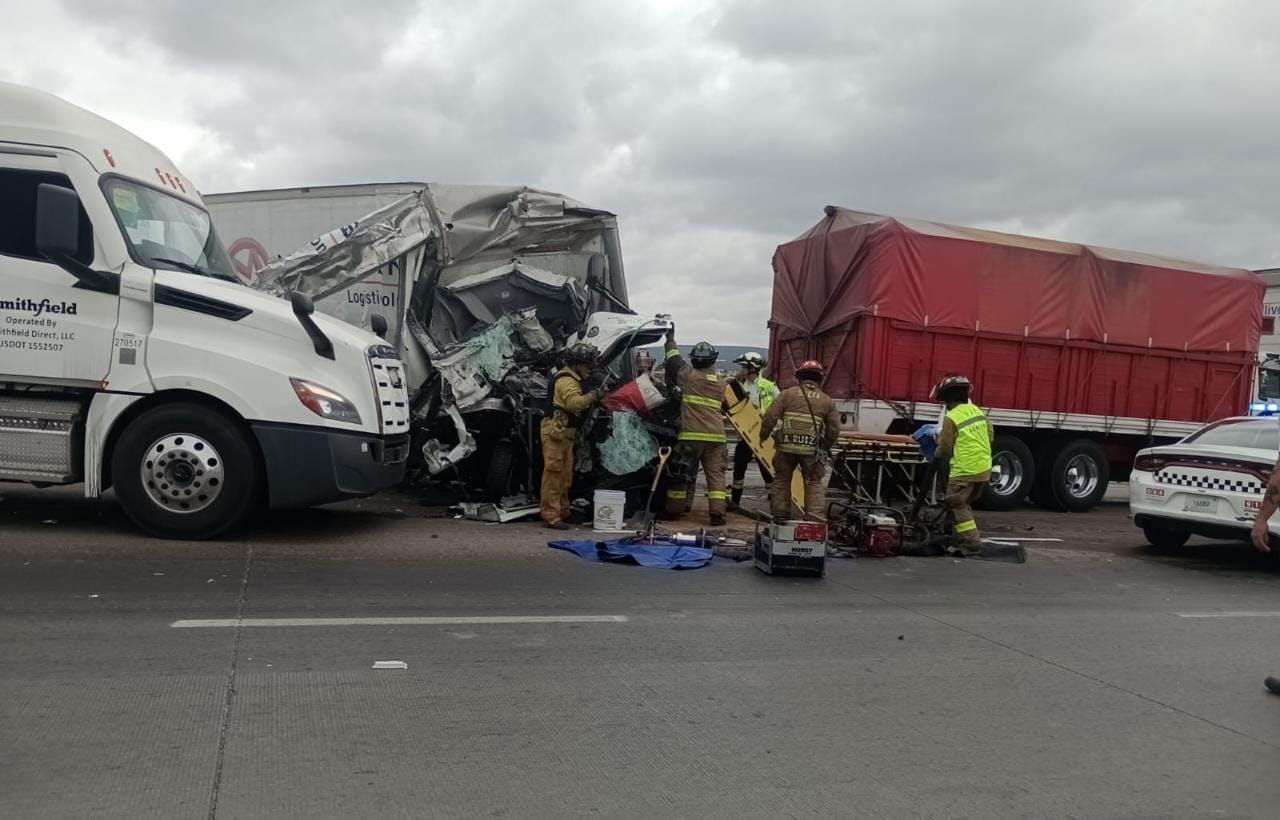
column 701, row 439
column 807, row 426
column 569, row 404
column 761, row 392
column 965, row 439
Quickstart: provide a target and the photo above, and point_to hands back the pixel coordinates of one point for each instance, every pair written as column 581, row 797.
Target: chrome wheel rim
column 182, row 473
column 1082, row 476
column 1007, row 475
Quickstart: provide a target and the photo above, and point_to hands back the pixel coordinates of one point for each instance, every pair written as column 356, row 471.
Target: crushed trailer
column 495, row 283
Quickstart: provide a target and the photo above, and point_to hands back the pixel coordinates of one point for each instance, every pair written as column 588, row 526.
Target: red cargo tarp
column 929, row 274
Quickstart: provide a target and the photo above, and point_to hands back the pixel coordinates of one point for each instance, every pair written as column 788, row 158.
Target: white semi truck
column 132, row 358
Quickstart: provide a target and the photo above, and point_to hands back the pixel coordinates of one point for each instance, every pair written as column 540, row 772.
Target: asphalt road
column 1072, row 686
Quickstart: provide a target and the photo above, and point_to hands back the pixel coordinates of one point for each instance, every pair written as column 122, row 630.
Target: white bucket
column 610, row 507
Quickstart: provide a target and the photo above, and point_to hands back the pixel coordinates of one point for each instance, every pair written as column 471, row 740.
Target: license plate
column 1197, row 504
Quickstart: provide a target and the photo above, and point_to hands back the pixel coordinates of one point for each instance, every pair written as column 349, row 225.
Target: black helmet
column 953, row 385
column 703, row 355
column 581, row 353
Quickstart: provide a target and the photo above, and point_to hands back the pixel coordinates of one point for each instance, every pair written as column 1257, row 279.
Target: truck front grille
column 390, row 391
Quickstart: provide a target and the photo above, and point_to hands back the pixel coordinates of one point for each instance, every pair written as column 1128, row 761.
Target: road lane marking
column 231, row 623
column 1239, row 614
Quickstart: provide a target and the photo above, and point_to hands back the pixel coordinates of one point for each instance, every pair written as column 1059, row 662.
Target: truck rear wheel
column 185, row 471
column 1008, row 488
column 1076, row 476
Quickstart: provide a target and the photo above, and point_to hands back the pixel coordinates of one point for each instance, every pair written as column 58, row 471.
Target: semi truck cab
column 131, row 357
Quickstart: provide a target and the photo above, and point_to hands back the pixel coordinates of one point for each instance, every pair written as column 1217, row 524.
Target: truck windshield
column 164, row 231
column 1269, row 380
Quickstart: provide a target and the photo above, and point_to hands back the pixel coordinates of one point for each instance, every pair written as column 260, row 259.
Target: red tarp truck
column 1080, row 355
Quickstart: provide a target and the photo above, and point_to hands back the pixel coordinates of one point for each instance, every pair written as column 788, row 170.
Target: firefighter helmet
column 952, row 384
column 751, row 359
column 703, row 355
column 581, row 353
column 811, row 371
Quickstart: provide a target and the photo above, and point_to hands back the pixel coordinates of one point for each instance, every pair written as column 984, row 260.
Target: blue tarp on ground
column 632, row 550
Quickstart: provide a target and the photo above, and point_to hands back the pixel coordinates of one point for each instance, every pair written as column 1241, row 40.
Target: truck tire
column 1076, row 478
column 505, row 474
column 1009, row 489
column 186, row 471
column 1163, row 539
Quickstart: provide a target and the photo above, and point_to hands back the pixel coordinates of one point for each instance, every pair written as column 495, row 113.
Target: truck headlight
column 325, row 403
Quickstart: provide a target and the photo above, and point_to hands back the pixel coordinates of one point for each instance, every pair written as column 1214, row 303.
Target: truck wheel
column 186, row 471
column 1078, row 476
column 1163, row 539
column 1009, row 488
column 506, row 473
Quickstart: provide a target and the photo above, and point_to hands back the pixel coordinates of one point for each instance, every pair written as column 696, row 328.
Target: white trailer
column 260, row 227
column 132, row 358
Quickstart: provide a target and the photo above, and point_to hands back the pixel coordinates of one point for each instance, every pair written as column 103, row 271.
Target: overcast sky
column 714, row 128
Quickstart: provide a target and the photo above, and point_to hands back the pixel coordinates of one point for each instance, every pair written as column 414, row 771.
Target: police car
column 1211, row 483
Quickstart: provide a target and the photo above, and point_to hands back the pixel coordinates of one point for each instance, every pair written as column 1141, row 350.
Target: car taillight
column 1149, row 463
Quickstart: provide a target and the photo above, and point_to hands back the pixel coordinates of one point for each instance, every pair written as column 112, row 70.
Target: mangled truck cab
column 496, row 283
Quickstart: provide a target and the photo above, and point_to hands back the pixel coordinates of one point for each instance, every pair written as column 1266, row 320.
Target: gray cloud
column 718, row 129
column 307, row 38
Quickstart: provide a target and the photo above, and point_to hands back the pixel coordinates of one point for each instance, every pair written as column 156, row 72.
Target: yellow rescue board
column 745, row 418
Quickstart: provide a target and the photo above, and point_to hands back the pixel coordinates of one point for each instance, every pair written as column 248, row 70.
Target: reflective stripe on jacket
column 701, row 417
column 972, row 452
column 702, row 399
column 802, row 420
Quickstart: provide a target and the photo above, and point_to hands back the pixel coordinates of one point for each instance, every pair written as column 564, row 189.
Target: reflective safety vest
column 768, row 392
column 972, row 454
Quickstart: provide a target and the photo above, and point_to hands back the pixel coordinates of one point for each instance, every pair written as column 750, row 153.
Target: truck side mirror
column 303, row 307
column 57, row 222
column 58, row 237
column 596, row 282
column 378, row 323
column 302, row 304
column 595, row 270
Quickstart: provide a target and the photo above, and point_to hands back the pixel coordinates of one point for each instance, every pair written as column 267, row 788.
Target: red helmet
column 812, row 370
